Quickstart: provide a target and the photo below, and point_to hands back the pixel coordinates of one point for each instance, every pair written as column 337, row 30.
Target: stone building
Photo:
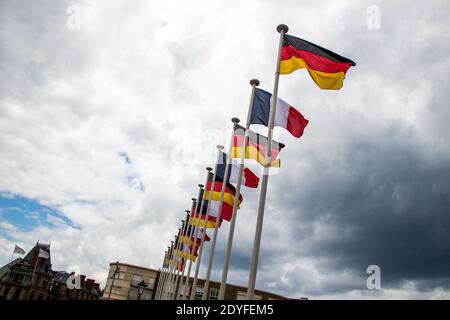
column 32, row 278
column 124, row 279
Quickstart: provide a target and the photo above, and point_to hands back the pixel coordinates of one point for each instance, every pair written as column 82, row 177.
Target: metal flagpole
column 166, row 273
column 199, row 215
column 185, row 234
column 161, row 274
column 188, row 235
column 183, row 260
column 282, row 29
column 169, row 273
column 161, row 295
column 219, row 214
column 186, row 282
column 199, row 258
column 178, row 265
column 176, row 262
column 254, row 83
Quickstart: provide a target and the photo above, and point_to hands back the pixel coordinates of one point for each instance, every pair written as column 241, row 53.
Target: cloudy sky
column 110, row 111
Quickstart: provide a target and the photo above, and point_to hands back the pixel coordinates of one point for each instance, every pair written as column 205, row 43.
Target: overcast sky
column 108, row 122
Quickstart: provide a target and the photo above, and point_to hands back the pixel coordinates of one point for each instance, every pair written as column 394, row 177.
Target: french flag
column 286, row 116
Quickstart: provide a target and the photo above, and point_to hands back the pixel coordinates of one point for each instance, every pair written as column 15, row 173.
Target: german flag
column 325, row 67
column 256, row 148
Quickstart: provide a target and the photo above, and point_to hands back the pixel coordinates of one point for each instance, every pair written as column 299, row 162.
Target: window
column 136, row 279
column 151, row 283
column 132, row 294
column 116, row 290
column 213, row 294
column 199, row 292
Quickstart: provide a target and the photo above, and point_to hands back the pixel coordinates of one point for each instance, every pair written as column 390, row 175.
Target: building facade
column 32, row 278
column 124, row 279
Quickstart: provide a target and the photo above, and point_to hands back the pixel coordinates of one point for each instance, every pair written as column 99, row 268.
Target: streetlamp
column 141, row 287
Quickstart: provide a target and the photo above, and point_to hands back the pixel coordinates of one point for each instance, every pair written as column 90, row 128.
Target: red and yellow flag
column 325, row 67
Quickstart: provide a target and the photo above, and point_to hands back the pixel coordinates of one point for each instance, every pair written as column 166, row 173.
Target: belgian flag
column 325, row 67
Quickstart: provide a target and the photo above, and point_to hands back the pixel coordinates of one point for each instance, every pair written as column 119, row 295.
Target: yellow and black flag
column 325, row 67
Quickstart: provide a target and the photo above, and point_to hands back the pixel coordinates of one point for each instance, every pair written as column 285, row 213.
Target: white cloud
column 158, row 79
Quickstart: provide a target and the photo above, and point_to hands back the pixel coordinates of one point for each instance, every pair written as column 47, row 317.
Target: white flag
column 18, row 250
column 43, row 254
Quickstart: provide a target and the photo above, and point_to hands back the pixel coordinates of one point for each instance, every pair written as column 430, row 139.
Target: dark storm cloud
column 386, row 201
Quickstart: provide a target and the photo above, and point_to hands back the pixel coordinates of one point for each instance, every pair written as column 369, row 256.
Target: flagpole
column 161, row 274
column 186, row 233
column 254, row 83
column 199, row 216
column 177, row 276
column 199, row 258
column 219, row 214
column 190, row 230
column 166, row 273
column 169, row 273
column 176, row 264
column 282, row 29
column 186, row 283
column 168, row 270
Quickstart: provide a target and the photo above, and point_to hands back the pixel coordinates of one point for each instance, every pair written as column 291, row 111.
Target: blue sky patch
column 26, row 214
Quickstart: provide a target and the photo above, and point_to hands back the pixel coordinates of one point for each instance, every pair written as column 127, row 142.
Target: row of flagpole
column 173, row 273
column 169, row 274
column 328, row 71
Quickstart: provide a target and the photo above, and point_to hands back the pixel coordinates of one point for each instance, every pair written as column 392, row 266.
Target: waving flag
column 256, row 148
column 286, row 116
column 249, row 179
column 18, row 250
column 325, row 67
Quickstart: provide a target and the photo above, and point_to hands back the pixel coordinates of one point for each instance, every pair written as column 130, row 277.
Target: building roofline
column 230, row 284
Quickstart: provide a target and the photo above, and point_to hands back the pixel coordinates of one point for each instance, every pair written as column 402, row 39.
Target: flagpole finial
column 187, row 211
column 282, row 27
column 193, row 199
column 220, row 147
column 208, row 168
column 201, row 186
column 235, row 120
column 254, row 82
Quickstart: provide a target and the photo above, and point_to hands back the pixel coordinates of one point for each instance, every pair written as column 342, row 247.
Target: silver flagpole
column 199, row 258
column 178, row 265
column 199, row 215
column 172, row 272
column 282, row 29
column 160, row 276
column 186, row 234
column 219, row 214
column 186, row 282
column 166, row 273
column 166, row 278
column 254, row 83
